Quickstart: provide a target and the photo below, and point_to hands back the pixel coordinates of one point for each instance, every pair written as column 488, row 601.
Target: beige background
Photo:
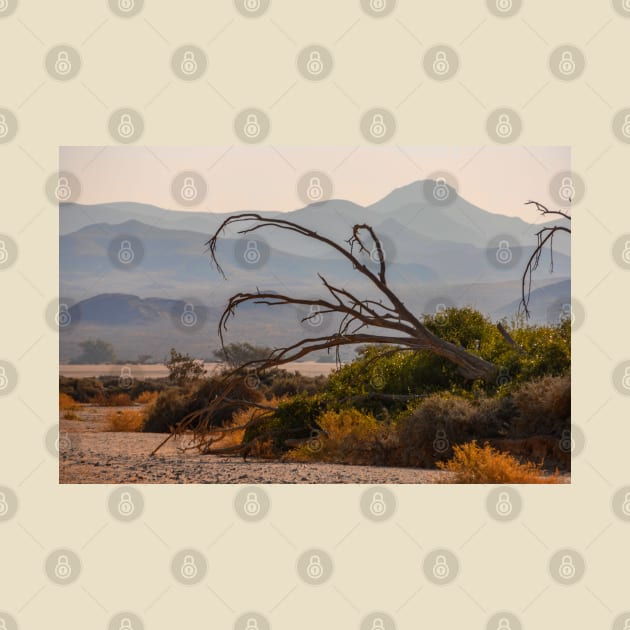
column 378, row 63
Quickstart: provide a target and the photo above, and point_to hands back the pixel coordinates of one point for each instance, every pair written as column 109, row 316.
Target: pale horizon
column 497, row 179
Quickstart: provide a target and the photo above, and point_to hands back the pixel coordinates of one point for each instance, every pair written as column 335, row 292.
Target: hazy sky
column 498, row 179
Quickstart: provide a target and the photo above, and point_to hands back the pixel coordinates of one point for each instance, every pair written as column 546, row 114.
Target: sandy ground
column 91, row 454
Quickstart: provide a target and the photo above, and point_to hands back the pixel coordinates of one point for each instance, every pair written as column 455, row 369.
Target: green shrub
column 296, row 418
column 348, row 437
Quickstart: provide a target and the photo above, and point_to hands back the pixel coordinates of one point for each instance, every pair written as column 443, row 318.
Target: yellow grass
column 147, row 398
column 131, row 420
column 475, row 464
column 67, row 402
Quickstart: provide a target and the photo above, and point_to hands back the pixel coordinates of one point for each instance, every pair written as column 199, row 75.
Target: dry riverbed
column 89, row 453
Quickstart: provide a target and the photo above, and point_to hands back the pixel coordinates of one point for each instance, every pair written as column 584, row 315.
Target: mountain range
column 434, row 252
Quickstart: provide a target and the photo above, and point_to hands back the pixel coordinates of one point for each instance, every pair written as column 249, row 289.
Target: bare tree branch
column 544, row 235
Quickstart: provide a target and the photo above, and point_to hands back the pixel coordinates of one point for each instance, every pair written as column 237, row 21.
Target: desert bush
column 348, row 437
column 147, row 398
column 383, row 370
column 294, row 419
column 131, row 420
column 543, row 407
column 67, row 402
column 119, row 399
column 82, row 390
column 174, row 404
column 428, row 433
column 474, row 464
column 98, row 390
column 279, row 383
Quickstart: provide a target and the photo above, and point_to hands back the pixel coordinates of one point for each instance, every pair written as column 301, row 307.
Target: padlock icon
column 440, row 190
column 4, row 5
column 566, row 312
column 314, row 317
column 62, row 63
column 504, row 504
column 315, row 65
column 504, row 126
column 504, row 624
column 126, row 254
column 504, row 5
column 315, row 191
column 252, row 254
column 252, row 126
column 126, row 506
column 63, row 442
column 189, row 568
column 626, row 7
column 3, row 623
column 440, row 312
column 441, row 570
column 441, row 66
column 566, row 570
column 4, row 379
column 625, row 128
column 625, row 506
column 504, row 377
column 378, row 624
column 189, row 318
column 377, row 255
column 126, row 128
column 252, row 5
column 125, row 624
column 252, row 624
column 189, row 64
column 62, row 569
column 125, row 380
column 314, row 569
column 567, row 442
column 4, row 506
column 440, row 444
column 189, row 190
column 378, row 128
column 126, row 5
column 503, row 253
column 4, row 128
column 567, row 63
column 625, row 255
column 567, row 189
column 4, row 254
column 377, row 504
column 63, row 317
column 252, row 504
column 314, row 443
column 378, row 5
column 63, row 192
column 626, row 378
column 626, row 625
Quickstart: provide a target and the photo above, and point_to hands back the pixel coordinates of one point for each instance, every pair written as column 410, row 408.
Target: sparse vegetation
column 126, row 420
column 183, row 369
column 95, row 351
column 475, row 464
column 237, row 354
column 388, row 407
column 67, row 402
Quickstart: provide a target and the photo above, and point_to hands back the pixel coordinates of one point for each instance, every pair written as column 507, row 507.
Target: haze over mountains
column 434, row 252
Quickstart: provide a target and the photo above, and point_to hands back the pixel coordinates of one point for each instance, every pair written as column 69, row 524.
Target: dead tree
column 384, row 321
column 363, row 321
column 544, row 235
